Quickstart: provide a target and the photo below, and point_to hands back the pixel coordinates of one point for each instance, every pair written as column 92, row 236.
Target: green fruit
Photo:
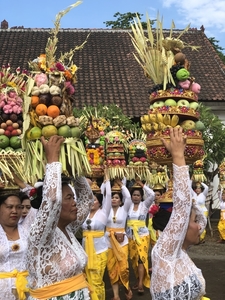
column 75, row 132
column 9, row 149
column 182, row 74
column 199, row 125
column 19, row 150
column 49, row 130
column 35, row 133
column 4, row 141
column 15, row 142
column 64, row 131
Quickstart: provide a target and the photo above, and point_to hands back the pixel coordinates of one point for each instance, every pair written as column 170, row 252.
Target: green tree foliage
column 213, row 136
column 112, row 112
column 124, row 21
column 218, row 48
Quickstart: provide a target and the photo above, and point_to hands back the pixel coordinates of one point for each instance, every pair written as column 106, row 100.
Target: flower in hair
column 33, row 194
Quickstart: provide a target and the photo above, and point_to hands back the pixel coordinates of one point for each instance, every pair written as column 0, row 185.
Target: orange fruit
column 41, row 109
column 53, row 111
column 34, row 101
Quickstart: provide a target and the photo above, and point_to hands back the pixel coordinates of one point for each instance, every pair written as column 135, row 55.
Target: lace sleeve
column 149, row 196
column 106, row 203
column 126, row 197
column 171, row 240
column 84, row 200
column 48, row 215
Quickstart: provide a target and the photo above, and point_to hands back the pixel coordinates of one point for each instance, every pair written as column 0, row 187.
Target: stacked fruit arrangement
column 138, row 164
column 116, row 146
column 198, row 171
column 173, row 112
column 11, row 92
column 95, row 144
column 48, row 110
column 174, row 97
column 159, row 175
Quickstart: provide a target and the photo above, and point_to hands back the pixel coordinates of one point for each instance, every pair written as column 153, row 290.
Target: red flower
column 59, row 66
column 33, row 194
column 154, row 209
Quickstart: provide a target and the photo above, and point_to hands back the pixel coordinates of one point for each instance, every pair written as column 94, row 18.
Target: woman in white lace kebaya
column 55, row 258
column 117, row 263
column 94, row 241
column 200, row 193
column 174, row 275
column 138, row 234
column 13, row 246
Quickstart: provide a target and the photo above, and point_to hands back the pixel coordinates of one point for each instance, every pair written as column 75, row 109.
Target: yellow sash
column 205, row 298
column 21, row 281
column 115, row 244
column 89, row 245
column 61, row 288
column 222, row 214
column 135, row 224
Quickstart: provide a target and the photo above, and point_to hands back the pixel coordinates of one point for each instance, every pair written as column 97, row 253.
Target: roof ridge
column 109, row 30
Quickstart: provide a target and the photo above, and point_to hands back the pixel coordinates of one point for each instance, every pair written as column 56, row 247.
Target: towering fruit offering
column 174, row 97
column 49, row 103
column 198, row 171
column 138, row 164
column 12, row 86
column 95, row 144
column 116, row 147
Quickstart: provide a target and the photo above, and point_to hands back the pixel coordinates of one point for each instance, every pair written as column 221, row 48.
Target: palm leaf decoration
column 154, row 52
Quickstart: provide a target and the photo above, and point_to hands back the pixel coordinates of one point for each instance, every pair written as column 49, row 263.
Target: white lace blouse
column 51, row 257
column 99, row 220
column 141, row 212
column 120, row 216
column 174, row 275
column 201, row 198
column 9, row 259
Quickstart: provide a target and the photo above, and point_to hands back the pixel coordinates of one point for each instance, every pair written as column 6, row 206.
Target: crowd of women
column 41, row 258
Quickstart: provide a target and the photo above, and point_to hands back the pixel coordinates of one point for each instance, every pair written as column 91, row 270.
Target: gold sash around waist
column 89, row 245
column 21, row 281
column 61, row 288
column 135, row 225
column 114, row 243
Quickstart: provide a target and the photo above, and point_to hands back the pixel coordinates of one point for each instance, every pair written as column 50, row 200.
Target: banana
column 159, row 118
column 152, row 118
column 144, row 119
column 32, row 118
column 162, row 126
column 155, row 126
column 174, row 120
column 167, row 119
column 144, row 128
column 148, row 127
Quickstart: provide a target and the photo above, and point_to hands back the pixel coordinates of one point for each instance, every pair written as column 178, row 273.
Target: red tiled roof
column 108, row 71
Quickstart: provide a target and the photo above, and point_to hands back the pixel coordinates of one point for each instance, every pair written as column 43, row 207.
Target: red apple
column 123, row 162
column 14, row 132
column 109, row 161
column 142, row 159
column 7, row 133
column 10, row 128
column 135, row 159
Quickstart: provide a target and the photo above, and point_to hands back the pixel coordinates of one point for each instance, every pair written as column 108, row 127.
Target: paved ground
column 209, row 257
